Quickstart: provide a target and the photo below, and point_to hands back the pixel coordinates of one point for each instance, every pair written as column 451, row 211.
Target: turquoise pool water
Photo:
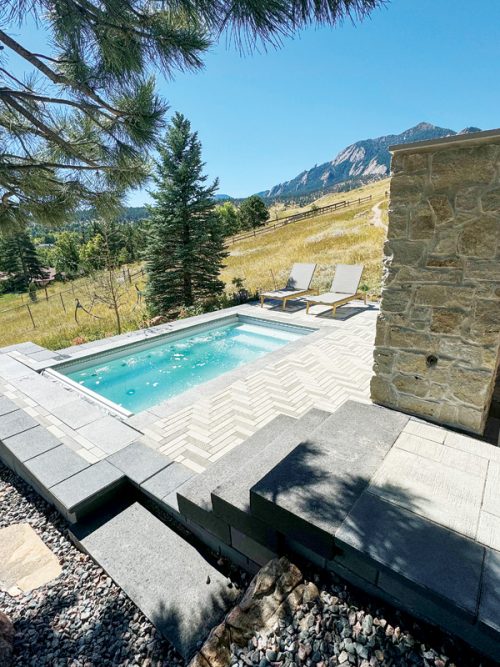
column 148, row 375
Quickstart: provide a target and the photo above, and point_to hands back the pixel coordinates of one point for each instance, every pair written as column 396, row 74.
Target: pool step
column 308, row 494
column 193, row 499
column 180, row 592
column 231, row 497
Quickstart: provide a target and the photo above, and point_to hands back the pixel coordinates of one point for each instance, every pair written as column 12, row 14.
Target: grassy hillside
column 376, row 189
column 344, row 237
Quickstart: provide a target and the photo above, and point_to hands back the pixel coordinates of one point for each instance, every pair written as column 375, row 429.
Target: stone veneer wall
column 438, row 334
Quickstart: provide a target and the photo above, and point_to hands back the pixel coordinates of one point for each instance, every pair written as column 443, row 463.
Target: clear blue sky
column 264, row 117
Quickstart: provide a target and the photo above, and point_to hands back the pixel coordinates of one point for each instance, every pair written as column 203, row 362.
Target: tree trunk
column 187, row 277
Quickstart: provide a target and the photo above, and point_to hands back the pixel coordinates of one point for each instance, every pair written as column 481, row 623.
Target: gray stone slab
column 31, row 443
column 109, row 433
column 45, row 392
column 11, row 369
column 310, row 492
column 489, row 606
column 429, row 556
column 231, row 499
column 25, row 348
column 139, row 462
column 194, row 498
column 84, row 491
column 14, row 423
column 55, row 466
column 167, row 480
column 43, row 355
column 198, row 492
column 6, row 406
column 78, row 413
column 162, row 574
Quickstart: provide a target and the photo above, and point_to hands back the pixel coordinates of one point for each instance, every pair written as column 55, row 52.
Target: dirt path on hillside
column 377, row 216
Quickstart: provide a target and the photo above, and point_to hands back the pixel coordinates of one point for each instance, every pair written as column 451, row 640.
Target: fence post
column 32, row 320
column 62, row 302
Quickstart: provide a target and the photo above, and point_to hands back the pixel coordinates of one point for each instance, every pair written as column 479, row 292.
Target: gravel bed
column 345, row 627
column 81, row 619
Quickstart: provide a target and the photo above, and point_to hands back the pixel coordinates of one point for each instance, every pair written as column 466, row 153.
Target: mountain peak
column 359, row 163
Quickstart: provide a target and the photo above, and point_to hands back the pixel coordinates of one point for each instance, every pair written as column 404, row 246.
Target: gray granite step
column 310, row 492
column 168, row 579
column 417, row 550
column 231, row 498
column 193, row 499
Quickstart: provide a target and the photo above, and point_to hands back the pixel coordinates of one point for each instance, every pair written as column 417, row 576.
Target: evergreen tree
column 18, row 258
column 186, row 247
column 253, row 212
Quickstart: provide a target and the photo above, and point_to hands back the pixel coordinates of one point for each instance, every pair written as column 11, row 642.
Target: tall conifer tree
column 19, row 259
column 185, row 250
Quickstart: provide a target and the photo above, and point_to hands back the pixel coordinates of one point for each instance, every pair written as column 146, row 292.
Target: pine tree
column 18, row 258
column 185, row 250
column 253, row 213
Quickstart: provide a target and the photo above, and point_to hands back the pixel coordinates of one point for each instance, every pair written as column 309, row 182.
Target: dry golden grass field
column 348, row 236
column 55, row 325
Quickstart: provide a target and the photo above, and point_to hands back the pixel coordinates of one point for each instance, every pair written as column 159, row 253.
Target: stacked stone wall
column 438, row 334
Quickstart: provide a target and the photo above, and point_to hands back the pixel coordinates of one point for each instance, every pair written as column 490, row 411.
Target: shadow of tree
column 425, row 566
column 80, row 618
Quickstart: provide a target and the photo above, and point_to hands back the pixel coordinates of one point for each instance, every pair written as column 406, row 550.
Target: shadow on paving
column 343, row 313
column 424, row 565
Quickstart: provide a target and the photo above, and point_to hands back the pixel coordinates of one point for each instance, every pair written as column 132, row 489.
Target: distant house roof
column 49, row 276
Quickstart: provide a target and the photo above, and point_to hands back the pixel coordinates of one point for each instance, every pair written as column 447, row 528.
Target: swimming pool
column 141, row 375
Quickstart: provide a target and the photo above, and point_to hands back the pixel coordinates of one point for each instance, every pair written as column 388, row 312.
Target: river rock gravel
column 344, row 627
column 80, row 619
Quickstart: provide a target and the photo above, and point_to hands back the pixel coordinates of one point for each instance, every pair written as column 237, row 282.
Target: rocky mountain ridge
column 359, row 163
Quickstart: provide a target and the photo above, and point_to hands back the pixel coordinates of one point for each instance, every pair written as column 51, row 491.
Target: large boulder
column 275, row 592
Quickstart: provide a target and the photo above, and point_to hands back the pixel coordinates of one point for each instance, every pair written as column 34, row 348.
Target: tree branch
column 82, row 106
column 48, row 132
column 55, row 77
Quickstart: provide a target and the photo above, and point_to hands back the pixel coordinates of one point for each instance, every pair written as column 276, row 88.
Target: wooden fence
column 61, row 299
column 312, row 213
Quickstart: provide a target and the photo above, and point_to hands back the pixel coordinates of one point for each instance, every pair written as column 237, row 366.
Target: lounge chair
column 344, row 288
column 298, row 284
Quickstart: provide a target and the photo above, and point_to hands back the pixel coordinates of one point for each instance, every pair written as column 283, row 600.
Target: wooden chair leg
column 284, row 304
column 308, row 303
column 261, row 301
column 334, row 310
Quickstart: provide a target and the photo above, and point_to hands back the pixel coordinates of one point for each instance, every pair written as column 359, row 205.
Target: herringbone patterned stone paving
column 322, row 375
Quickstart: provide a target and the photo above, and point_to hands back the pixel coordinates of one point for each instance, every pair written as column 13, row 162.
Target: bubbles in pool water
column 155, row 384
column 130, row 392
